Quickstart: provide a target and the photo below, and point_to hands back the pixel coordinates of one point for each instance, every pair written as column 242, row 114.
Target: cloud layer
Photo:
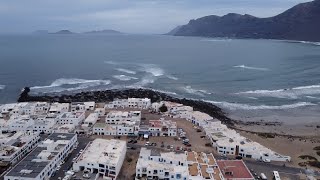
column 132, row 16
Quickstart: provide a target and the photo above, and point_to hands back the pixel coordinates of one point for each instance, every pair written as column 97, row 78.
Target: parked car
column 87, row 176
column 267, row 160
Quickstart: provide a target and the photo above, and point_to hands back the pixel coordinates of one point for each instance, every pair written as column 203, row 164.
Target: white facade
column 141, row 103
column 100, row 111
column 15, row 146
column 104, row 129
column 44, row 124
column 104, row 157
column 155, row 165
column 90, row 121
column 117, row 103
column 125, row 123
column 71, row 118
column 40, row 163
column 20, row 123
column 229, row 142
column 162, row 127
column 58, row 108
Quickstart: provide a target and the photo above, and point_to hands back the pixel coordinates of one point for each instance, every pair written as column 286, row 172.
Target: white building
column 40, row 163
column 58, row 108
column 229, row 142
column 102, row 157
column 162, row 127
column 155, row 165
column 90, row 121
column 14, row 146
column 117, row 103
column 125, row 123
column 41, row 107
column 44, row 124
column 104, row 129
column 82, row 106
column 203, row 166
column 141, row 103
column 198, row 118
column 74, row 118
column 20, row 123
column 100, row 111
column 65, row 128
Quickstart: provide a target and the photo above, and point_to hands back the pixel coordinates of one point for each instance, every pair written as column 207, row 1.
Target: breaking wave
column 125, row 70
column 216, row 40
column 190, row 90
column 2, row 86
column 251, row 68
column 144, row 81
column 291, row 93
column 304, row 42
column 238, row 106
column 70, row 84
column 110, row 62
column 124, row 77
column 152, row 69
column 172, row 77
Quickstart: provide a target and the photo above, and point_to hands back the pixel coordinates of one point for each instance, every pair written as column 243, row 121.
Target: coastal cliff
column 298, row 23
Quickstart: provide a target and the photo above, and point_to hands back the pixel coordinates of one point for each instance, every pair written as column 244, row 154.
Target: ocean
column 247, row 76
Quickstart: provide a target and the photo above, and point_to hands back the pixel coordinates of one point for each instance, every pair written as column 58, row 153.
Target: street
column 83, row 141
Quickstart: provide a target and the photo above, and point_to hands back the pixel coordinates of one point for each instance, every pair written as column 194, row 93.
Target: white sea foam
column 312, row 97
column 304, row 42
column 162, row 91
column 251, row 68
column 190, row 90
column 292, row 93
column 57, row 85
column 125, row 70
column 172, row 77
column 152, row 69
column 110, row 62
column 216, row 40
column 144, row 81
column 2, row 86
column 238, row 106
column 124, row 77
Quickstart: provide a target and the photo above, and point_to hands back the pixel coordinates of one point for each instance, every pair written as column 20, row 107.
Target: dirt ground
column 293, row 147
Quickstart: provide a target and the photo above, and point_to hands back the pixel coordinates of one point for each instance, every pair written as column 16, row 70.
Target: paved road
column 83, row 141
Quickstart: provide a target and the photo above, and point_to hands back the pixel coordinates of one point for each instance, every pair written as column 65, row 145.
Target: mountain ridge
column 300, row 22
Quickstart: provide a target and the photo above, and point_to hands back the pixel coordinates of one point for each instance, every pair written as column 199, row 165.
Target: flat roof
column 32, row 165
column 103, row 151
column 234, row 169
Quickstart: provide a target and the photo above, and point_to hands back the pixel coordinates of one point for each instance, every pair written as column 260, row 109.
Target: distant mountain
column 64, row 32
column 302, row 22
column 174, row 31
column 106, row 31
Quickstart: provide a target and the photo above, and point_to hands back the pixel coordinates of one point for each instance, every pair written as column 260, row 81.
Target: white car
column 267, row 160
column 87, row 176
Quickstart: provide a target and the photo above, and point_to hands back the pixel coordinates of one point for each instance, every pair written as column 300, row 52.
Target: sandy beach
column 293, row 135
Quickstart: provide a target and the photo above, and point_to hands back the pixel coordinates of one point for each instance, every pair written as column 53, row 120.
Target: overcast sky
column 131, row 16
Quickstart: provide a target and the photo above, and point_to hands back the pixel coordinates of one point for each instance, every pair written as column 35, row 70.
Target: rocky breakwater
column 110, row 95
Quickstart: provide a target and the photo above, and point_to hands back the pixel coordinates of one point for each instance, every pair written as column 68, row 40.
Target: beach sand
column 295, row 135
